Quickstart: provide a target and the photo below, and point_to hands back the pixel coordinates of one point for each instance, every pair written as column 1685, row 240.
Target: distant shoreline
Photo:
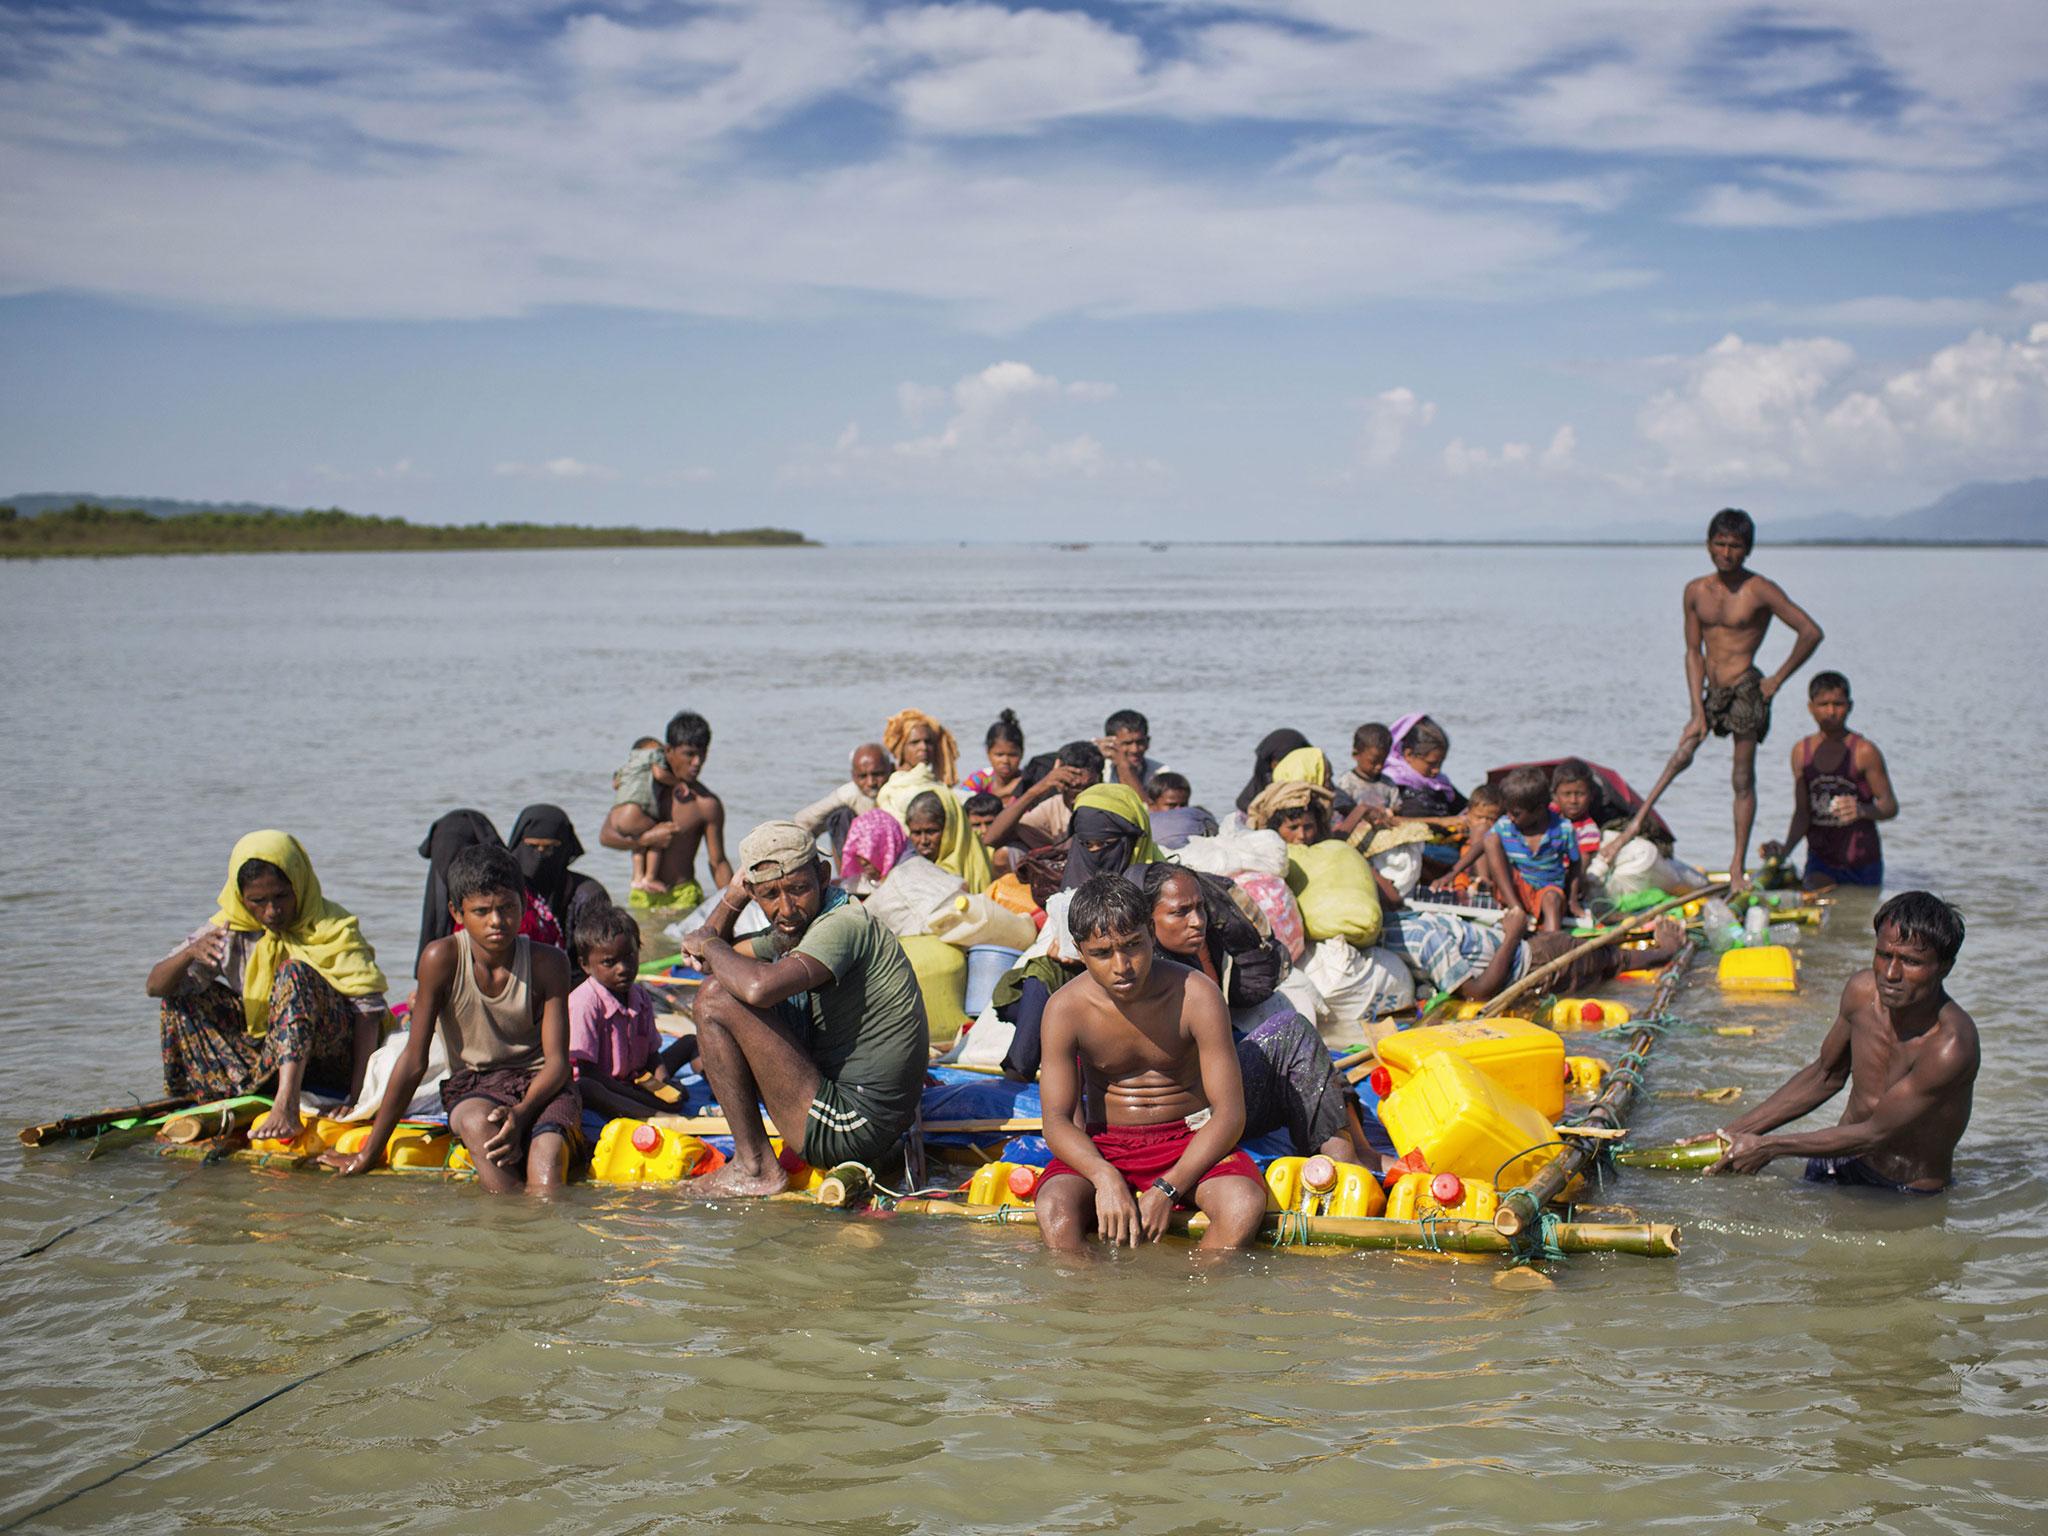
column 88, row 531
column 1766, row 544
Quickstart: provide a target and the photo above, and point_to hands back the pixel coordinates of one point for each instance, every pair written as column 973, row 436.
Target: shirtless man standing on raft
column 1726, row 617
column 690, row 815
column 1908, row 1054
column 1164, row 1101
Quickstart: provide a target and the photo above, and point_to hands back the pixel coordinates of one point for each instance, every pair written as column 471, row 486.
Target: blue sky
column 1283, row 268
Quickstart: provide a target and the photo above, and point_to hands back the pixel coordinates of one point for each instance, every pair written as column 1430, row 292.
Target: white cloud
column 2017, row 305
column 1562, row 450
column 367, row 157
column 1797, row 412
column 994, row 439
column 1386, row 422
column 985, row 69
column 919, row 401
column 1781, row 197
column 1554, row 458
column 554, row 469
column 399, row 469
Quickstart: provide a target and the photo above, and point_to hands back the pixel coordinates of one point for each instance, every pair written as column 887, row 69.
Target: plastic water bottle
column 1756, row 923
column 1785, row 933
column 1718, row 919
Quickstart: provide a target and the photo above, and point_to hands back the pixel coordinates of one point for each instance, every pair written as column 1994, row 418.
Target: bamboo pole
column 1519, row 1208
column 1676, row 1155
column 845, row 1185
column 75, row 1126
column 1634, row 920
column 719, row 1125
column 212, row 1121
column 1650, row 1239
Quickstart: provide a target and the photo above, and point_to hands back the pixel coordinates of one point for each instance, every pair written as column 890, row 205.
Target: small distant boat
column 1075, row 546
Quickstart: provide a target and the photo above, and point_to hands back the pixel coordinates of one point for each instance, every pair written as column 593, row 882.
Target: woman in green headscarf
column 279, row 988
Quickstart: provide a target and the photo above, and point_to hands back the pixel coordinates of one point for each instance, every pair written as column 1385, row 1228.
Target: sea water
column 1815, row 1359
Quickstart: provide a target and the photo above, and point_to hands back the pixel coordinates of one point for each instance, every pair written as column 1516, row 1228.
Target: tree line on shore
column 86, row 528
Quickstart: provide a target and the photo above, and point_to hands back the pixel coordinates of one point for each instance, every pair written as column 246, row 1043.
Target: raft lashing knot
column 1291, row 1229
column 1538, row 1241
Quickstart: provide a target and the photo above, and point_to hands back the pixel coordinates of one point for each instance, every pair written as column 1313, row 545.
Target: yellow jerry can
column 1524, row 1058
column 1462, row 1122
column 1759, row 968
column 1417, row 1194
column 1322, row 1186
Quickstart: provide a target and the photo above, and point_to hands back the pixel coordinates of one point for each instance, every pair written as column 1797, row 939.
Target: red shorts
column 1141, row 1153
column 1531, row 896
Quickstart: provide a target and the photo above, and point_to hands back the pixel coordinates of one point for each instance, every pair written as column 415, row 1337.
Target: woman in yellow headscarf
column 280, row 986
column 939, row 831
column 1304, row 765
column 912, row 737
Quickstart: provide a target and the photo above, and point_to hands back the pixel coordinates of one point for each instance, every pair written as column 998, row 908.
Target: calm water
column 1814, row 1361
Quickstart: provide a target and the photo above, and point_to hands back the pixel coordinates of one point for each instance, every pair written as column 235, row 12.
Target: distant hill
column 1991, row 512
column 155, row 506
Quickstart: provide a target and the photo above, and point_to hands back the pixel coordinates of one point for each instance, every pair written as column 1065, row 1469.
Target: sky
column 1270, row 269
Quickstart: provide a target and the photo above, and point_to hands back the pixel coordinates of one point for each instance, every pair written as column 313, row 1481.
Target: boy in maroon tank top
column 1841, row 790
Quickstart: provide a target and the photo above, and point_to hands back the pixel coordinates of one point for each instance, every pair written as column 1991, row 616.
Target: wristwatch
column 1168, row 1190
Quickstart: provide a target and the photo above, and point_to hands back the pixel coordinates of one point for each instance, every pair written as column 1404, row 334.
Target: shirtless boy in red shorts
column 1157, row 1071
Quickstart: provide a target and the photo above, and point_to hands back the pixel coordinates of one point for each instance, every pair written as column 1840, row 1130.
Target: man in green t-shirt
column 819, row 1018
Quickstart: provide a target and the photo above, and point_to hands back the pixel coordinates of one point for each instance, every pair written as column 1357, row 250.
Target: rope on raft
column 1540, row 1241
column 1292, row 1230
column 1521, row 1216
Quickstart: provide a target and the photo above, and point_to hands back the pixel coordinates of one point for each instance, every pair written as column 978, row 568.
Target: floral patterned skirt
column 209, row 1053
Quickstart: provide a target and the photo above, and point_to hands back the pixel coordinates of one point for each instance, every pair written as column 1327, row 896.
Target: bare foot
column 281, row 1124
column 652, row 887
column 735, row 1182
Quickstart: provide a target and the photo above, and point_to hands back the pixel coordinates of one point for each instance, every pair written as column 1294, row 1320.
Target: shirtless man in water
column 1908, row 1053
column 1726, row 616
column 1158, row 1075
column 690, row 814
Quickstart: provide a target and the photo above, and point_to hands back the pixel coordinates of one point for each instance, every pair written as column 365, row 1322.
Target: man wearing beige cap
column 819, row 1018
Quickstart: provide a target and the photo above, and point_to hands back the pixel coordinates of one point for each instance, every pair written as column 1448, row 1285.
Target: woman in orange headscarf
column 914, row 737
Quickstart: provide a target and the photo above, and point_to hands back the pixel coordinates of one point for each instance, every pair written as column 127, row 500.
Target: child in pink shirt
column 612, row 1038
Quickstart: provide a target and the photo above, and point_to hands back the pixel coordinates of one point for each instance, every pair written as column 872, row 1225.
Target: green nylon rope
column 1291, row 1230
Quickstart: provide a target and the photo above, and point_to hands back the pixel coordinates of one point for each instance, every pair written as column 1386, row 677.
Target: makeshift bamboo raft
column 851, row 1186
column 1521, row 1208
column 1524, row 1226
